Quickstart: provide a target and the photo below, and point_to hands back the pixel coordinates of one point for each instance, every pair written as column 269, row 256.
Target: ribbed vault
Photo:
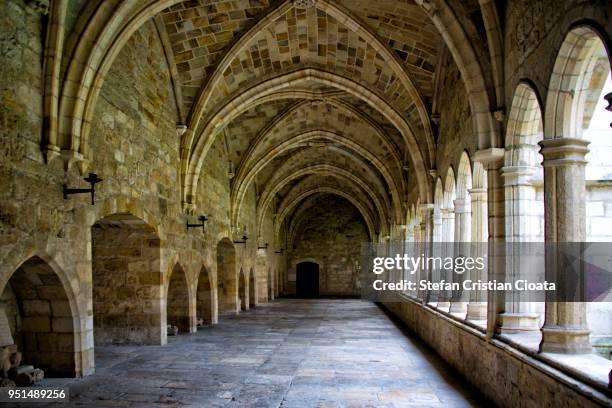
column 325, row 90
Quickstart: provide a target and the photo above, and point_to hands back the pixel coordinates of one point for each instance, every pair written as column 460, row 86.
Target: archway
column 524, row 190
column 178, row 300
column 307, row 279
column 127, row 281
column 578, row 170
column 252, row 289
column 243, row 293
column 204, row 297
column 36, row 310
column 227, row 277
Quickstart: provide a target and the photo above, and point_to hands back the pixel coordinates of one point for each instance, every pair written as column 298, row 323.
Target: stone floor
column 290, row 353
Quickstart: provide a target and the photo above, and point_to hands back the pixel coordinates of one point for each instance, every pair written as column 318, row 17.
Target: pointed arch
column 41, row 313
column 196, row 148
column 273, row 187
column 570, row 91
column 302, row 139
column 206, row 306
column 286, row 208
column 178, row 299
column 342, row 15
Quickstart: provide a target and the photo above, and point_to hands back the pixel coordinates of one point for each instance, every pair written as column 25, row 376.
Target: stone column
column 409, row 249
column 462, row 237
column 492, row 160
column 434, row 274
column 519, row 315
column 462, row 220
column 446, row 246
column 426, row 244
column 565, row 328
column 477, row 306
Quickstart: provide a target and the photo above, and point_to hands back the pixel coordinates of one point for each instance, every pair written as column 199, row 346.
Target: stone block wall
column 126, row 284
column 331, row 237
column 505, row 375
column 135, row 150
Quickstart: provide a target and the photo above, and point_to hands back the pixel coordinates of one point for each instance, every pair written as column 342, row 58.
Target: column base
column 556, row 339
column 476, row 311
column 512, row 323
column 457, row 307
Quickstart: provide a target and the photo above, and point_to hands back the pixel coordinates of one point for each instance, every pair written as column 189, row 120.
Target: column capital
column 564, row 151
column 491, row 158
column 447, row 212
column 461, row 206
column 477, row 194
column 517, row 175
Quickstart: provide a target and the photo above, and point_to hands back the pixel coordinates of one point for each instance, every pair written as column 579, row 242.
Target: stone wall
column 534, row 33
column 126, row 282
column 331, row 236
column 135, row 151
column 506, row 376
column 455, row 132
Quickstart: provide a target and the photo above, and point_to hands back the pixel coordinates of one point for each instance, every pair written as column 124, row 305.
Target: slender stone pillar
column 434, row 273
column 565, row 328
column 462, row 236
column 492, row 160
column 519, row 316
column 410, row 248
column 463, row 226
column 448, row 237
column 477, row 307
column 426, row 246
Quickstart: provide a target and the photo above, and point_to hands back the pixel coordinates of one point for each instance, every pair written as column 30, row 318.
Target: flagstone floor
column 289, row 353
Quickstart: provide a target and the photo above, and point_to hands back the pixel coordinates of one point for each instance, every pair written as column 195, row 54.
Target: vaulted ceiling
column 308, row 131
column 334, row 93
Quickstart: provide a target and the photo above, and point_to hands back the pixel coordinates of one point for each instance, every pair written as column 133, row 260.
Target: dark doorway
column 307, row 276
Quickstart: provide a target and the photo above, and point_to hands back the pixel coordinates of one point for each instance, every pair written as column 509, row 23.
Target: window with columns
column 578, row 180
column 553, row 183
column 524, row 212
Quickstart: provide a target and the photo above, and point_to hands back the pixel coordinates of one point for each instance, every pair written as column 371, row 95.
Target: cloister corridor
column 306, row 203
column 288, row 353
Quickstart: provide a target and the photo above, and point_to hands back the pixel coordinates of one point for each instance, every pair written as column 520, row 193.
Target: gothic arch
column 304, row 138
column 196, row 150
column 284, row 210
column 570, row 87
column 335, row 171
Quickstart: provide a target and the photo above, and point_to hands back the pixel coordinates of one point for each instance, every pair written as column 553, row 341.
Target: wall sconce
column 202, row 219
column 263, row 247
column 92, row 179
column 244, row 240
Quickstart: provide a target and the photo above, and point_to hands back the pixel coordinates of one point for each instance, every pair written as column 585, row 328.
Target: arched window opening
column 127, row 281
column 177, row 306
column 524, row 191
column 205, row 310
column 227, row 278
column 37, row 313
